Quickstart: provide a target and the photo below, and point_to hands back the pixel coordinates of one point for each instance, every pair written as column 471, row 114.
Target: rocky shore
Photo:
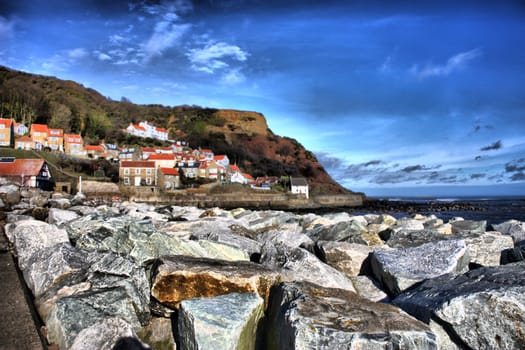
column 138, row 276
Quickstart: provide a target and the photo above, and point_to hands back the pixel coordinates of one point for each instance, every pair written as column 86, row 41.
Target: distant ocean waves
column 493, row 209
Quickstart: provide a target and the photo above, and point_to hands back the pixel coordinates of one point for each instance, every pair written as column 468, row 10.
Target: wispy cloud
column 453, row 63
column 77, row 53
column 492, row 147
column 7, row 28
column 213, row 56
column 233, row 77
column 166, row 34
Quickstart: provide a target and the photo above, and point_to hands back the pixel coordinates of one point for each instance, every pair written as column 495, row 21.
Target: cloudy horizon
column 389, row 95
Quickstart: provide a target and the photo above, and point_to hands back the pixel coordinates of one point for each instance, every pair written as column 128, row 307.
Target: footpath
column 17, row 326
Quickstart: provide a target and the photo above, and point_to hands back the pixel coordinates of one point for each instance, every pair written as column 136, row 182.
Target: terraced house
column 138, row 173
column 39, row 134
column 55, row 139
column 74, row 145
column 7, row 134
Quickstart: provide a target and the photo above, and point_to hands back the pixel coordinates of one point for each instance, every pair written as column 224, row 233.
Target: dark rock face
column 481, row 309
column 308, row 316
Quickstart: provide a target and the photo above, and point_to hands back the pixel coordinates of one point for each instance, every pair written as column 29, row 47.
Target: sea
column 494, row 209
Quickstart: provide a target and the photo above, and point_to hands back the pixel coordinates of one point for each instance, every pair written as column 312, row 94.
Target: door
column 137, row 180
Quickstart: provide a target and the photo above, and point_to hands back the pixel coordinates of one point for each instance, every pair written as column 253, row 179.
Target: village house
column 7, row 133
column 299, row 185
column 169, row 179
column 25, row 143
column 74, row 145
column 163, row 160
column 235, row 175
column 266, row 181
column 26, row 172
column 20, row 129
column 154, row 132
column 95, row 151
column 222, row 160
column 39, row 134
column 129, row 153
column 138, row 173
column 111, row 151
column 55, row 139
column 212, row 170
column 136, row 130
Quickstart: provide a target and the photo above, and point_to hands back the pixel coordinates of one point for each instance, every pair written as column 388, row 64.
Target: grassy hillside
column 243, row 136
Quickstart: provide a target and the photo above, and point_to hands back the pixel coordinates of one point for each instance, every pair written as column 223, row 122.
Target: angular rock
column 158, row 333
column 413, row 238
column 408, row 224
column 349, row 258
column 59, row 216
column 469, row 226
column 59, row 202
column 345, row 231
column 178, row 278
column 290, row 238
column 481, row 309
column 368, row 288
column 298, row 264
column 513, row 255
column 105, row 334
column 402, row 268
column 307, row 316
column 487, row 248
column 72, row 314
column 10, row 194
column 31, row 236
column 225, row 322
column 247, row 245
column 514, row 228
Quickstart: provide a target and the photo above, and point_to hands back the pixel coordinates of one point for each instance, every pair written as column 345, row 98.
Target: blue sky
column 421, row 98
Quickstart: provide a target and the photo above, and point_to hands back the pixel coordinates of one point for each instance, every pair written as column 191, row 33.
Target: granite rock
column 59, row 216
column 514, row 228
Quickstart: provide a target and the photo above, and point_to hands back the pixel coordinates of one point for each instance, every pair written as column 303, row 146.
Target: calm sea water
column 493, row 209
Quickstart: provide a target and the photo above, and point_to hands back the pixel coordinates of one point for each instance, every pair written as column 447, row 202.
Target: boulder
column 514, row 228
column 513, row 255
column 10, row 194
column 158, row 333
column 289, row 238
column 105, row 334
column 469, row 227
column 72, row 314
column 400, row 269
column 307, row 316
column 486, row 249
column 344, row 231
column 178, row 278
column 223, row 322
column 39, row 200
column 368, row 288
column 413, row 238
column 349, row 258
column 59, row 202
column 247, row 245
column 298, row 264
column 408, row 224
column 32, row 236
column 481, row 309
column 59, row 216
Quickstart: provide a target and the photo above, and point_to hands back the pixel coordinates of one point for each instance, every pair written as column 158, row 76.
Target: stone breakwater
column 127, row 274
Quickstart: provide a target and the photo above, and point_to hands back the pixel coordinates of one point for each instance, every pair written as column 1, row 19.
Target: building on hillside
column 7, row 132
column 266, row 181
column 26, row 172
column 112, row 151
column 168, row 179
column 55, row 139
column 95, row 151
column 138, row 173
column 206, row 154
column 250, row 180
column 154, row 132
column 136, row 130
column 189, row 170
column 129, row 153
column 212, row 171
column 20, row 129
column 39, row 134
column 163, row 160
column 74, row 145
column 25, row 143
column 299, row 185
column 222, row 160
column 235, row 175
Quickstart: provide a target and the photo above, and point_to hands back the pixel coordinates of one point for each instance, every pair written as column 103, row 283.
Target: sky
column 394, row 97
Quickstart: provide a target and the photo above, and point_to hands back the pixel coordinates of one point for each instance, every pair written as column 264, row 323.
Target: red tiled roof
column 161, row 130
column 95, row 148
column 220, row 157
column 149, row 149
column 138, row 127
column 39, row 128
column 24, row 139
column 235, row 168
column 72, row 138
column 161, row 156
column 6, row 122
column 206, row 151
column 137, row 164
column 169, row 171
column 27, row 167
column 248, row 176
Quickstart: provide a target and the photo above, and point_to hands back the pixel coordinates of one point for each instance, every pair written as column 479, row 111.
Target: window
column 148, row 171
column 148, row 181
column 137, row 171
column 126, row 171
column 126, row 181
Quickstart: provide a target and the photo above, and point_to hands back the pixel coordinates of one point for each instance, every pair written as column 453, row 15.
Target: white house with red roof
column 20, row 129
column 222, row 160
column 136, row 130
column 26, row 172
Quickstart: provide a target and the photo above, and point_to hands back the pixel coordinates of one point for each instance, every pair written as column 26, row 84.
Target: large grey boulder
column 409, row 224
column 225, row 322
column 368, row 288
column 178, row 278
column 349, row 258
column 10, row 194
column 245, row 244
column 73, row 314
column 308, row 316
column 57, row 216
column 486, row 249
column 105, row 334
column 59, row 202
column 298, row 264
column 289, row 238
column 514, row 228
column 400, row 269
column 412, row 238
column 158, row 333
column 469, row 226
column 481, row 309
column 32, row 236
column 344, row 231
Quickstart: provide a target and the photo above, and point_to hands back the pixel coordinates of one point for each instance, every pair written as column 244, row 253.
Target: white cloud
column 103, row 57
column 213, row 55
column 76, row 53
column 165, row 35
column 233, row 77
column 7, row 28
column 453, row 63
